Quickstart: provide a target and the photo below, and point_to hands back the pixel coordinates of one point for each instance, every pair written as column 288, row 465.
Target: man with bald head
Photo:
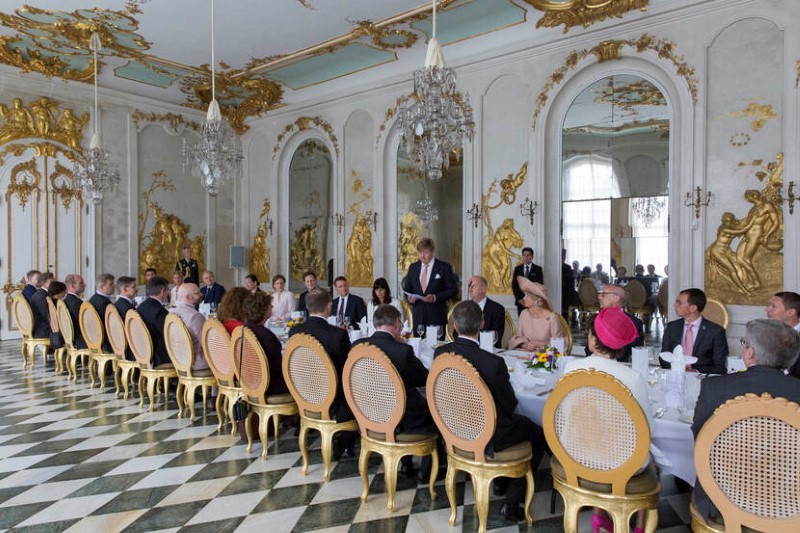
column 614, row 296
column 189, row 297
column 494, row 314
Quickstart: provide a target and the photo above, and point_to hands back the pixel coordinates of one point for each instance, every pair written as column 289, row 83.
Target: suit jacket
column 73, row 304
column 626, row 357
column 301, row 304
column 714, row 391
column 337, row 344
column 534, row 274
column 272, row 349
column 710, row 346
column 417, row 418
column 355, row 308
column 154, row 315
column 442, row 286
column 28, row 292
column 41, row 314
column 123, row 305
column 212, row 294
column 494, row 319
column 189, row 268
column 100, row 302
column 569, row 296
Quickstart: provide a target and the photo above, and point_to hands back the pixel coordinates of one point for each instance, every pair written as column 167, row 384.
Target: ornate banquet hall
column 284, row 137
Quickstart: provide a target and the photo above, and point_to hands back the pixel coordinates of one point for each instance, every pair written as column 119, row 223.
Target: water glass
column 346, row 321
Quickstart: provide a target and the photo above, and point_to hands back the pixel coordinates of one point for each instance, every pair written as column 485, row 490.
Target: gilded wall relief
column 160, row 247
column 24, row 183
column 305, row 252
column 391, row 112
column 176, row 123
column 758, row 114
column 570, row 13
column 411, row 232
column 41, row 118
column 499, row 243
column 744, row 265
column 612, row 50
column 302, row 124
column 259, row 252
column 629, row 96
column 359, row 266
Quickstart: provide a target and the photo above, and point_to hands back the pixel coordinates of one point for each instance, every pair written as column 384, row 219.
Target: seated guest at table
column 252, row 284
column 229, row 311
column 347, row 307
column 768, row 348
column 149, row 274
column 699, row 337
column 257, row 308
column 39, row 307
column 177, row 281
column 622, row 276
column 57, row 291
column 381, row 294
column 494, row 314
column 154, row 314
column 610, row 332
column 599, row 276
column 785, row 306
column 75, row 287
column 32, row 285
column 126, row 288
column 211, row 290
column 537, row 323
column 615, row 296
column 510, row 428
column 310, row 281
column 101, row 299
column 282, row 300
column 186, row 308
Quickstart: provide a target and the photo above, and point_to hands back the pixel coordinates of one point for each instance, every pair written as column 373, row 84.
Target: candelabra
column 474, row 214
column 338, row 221
column 698, row 201
column 372, row 217
column 528, row 209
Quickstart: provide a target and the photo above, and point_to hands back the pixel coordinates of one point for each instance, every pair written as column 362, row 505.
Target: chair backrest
column 65, row 324
column 139, row 338
column 747, row 461
column 254, row 374
column 585, row 405
column 310, row 376
column 508, row 331
column 636, row 293
column 408, row 316
column 374, row 390
column 567, row 334
column 179, row 345
column 587, row 291
column 219, row 355
column 115, row 329
column 52, row 315
column 23, row 315
column 662, row 297
column 716, row 312
column 450, row 327
column 461, row 406
column 91, row 326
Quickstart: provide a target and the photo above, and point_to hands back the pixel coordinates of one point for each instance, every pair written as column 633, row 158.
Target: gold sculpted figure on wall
column 410, row 235
column 41, row 119
column 358, row 267
column 259, row 253
column 304, row 252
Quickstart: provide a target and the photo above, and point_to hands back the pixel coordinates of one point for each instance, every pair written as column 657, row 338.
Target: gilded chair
column 23, row 316
column 250, row 363
column 126, row 373
column 716, row 312
column 746, row 459
column 601, row 472
column 60, row 353
column 662, row 301
column 68, row 332
column 450, row 327
column 590, row 303
column 637, row 300
column 465, row 413
column 92, row 328
column 509, row 331
column 217, row 347
column 142, row 347
column 311, row 378
column 567, row 334
column 377, row 397
column 181, row 353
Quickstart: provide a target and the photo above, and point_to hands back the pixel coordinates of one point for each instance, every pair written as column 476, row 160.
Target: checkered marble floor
column 75, row 459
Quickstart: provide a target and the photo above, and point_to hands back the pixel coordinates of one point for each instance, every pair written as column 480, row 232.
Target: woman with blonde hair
column 537, row 322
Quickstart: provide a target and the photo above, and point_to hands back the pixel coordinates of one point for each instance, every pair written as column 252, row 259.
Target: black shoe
column 512, row 512
column 500, row 486
column 424, row 477
column 407, row 467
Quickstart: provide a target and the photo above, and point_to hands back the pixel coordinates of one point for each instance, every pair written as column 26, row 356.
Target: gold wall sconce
column 474, row 214
column 698, row 201
column 790, row 196
column 528, row 209
column 372, row 217
column 268, row 225
column 338, row 221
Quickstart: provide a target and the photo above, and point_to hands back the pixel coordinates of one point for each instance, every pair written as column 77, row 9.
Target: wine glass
column 438, row 332
column 420, row 330
column 346, row 322
column 494, row 338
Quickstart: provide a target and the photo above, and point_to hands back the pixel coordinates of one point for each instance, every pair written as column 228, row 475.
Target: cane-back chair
column 181, row 353
column 23, row 316
column 219, row 355
column 68, row 333
column 92, row 328
column 127, row 370
column 142, row 347
column 60, row 354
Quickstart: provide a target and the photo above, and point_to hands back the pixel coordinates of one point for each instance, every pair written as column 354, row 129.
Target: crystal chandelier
column 94, row 174
column 425, row 210
column 435, row 124
column 648, row 209
column 216, row 157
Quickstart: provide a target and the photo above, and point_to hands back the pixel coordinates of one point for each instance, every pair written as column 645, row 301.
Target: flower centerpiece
column 544, row 359
column 295, row 322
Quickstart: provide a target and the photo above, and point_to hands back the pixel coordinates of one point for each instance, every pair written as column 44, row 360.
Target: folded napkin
column 676, row 379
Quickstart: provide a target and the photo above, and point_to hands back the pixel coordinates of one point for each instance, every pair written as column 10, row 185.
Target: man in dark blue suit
column 528, row 269
column 212, row 291
column 33, row 284
column 707, row 339
column 75, row 287
column 154, row 314
column 428, row 285
column 347, row 305
column 768, row 348
column 104, row 291
column 126, row 287
column 40, row 309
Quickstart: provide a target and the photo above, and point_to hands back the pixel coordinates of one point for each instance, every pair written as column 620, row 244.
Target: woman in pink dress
column 537, row 322
column 282, row 300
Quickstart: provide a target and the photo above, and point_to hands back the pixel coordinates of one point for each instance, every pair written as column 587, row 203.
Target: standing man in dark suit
column 569, row 280
column 699, row 337
column 32, row 285
column 347, row 305
column 154, row 314
column 40, row 309
column 212, row 291
column 768, row 348
column 510, row 428
column 188, row 266
column 428, row 285
column 75, row 287
column 528, row 270
column 614, row 296
column 310, row 281
column 126, row 287
column 100, row 300
column 494, row 314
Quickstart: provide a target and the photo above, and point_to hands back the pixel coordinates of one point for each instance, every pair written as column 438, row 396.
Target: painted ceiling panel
column 473, row 19
column 137, row 71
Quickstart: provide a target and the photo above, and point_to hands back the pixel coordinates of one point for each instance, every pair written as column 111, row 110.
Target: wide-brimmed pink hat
column 614, row 328
column 535, row 289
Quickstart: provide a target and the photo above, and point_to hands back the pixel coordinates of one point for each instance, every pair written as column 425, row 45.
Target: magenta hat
column 614, row 328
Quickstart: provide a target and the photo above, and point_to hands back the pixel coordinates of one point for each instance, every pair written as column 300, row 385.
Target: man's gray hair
column 467, row 317
column 774, row 343
column 385, row 315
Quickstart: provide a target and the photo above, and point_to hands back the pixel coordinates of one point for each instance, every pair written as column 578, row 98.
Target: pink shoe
column 638, row 530
column 600, row 521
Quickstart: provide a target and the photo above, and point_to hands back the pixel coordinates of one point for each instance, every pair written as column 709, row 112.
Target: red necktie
column 341, row 310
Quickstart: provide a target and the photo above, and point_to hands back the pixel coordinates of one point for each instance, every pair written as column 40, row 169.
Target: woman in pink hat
column 609, row 333
column 537, row 322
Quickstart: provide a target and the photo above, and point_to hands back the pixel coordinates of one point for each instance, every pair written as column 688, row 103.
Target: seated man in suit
column 40, row 309
column 100, row 300
column 494, row 314
column 126, row 288
column 310, row 281
column 75, row 287
column 347, row 305
column 212, row 291
column 528, row 270
column 699, row 337
column 154, row 314
column 768, row 348
column 511, row 428
column 188, row 299
column 32, row 285
column 337, row 344
column 429, row 284
column 615, row 296
column 785, row 306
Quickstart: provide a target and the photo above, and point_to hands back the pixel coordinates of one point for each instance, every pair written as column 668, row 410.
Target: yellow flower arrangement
column 544, row 359
column 295, row 322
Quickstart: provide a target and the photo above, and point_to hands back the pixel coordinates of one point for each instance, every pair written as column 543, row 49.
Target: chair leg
column 101, row 372
column 621, row 520
column 363, row 461
column 276, row 424
column 92, row 369
column 651, row 521
column 188, row 397
column 390, row 466
column 24, row 350
column 142, row 382
column 450, row 488
column 553, row 495
column 151, row 384
column 181, row 392
column 529, row 496
column 263, row 429
column 248, row 431
column 301, row 442
column 204, row 388
column 570, row 516
column 326, row 446
column 434, row 472
column 230, row 402
column 218, row 405
column 480, row 487
column 124, row 376
column 179, row 398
